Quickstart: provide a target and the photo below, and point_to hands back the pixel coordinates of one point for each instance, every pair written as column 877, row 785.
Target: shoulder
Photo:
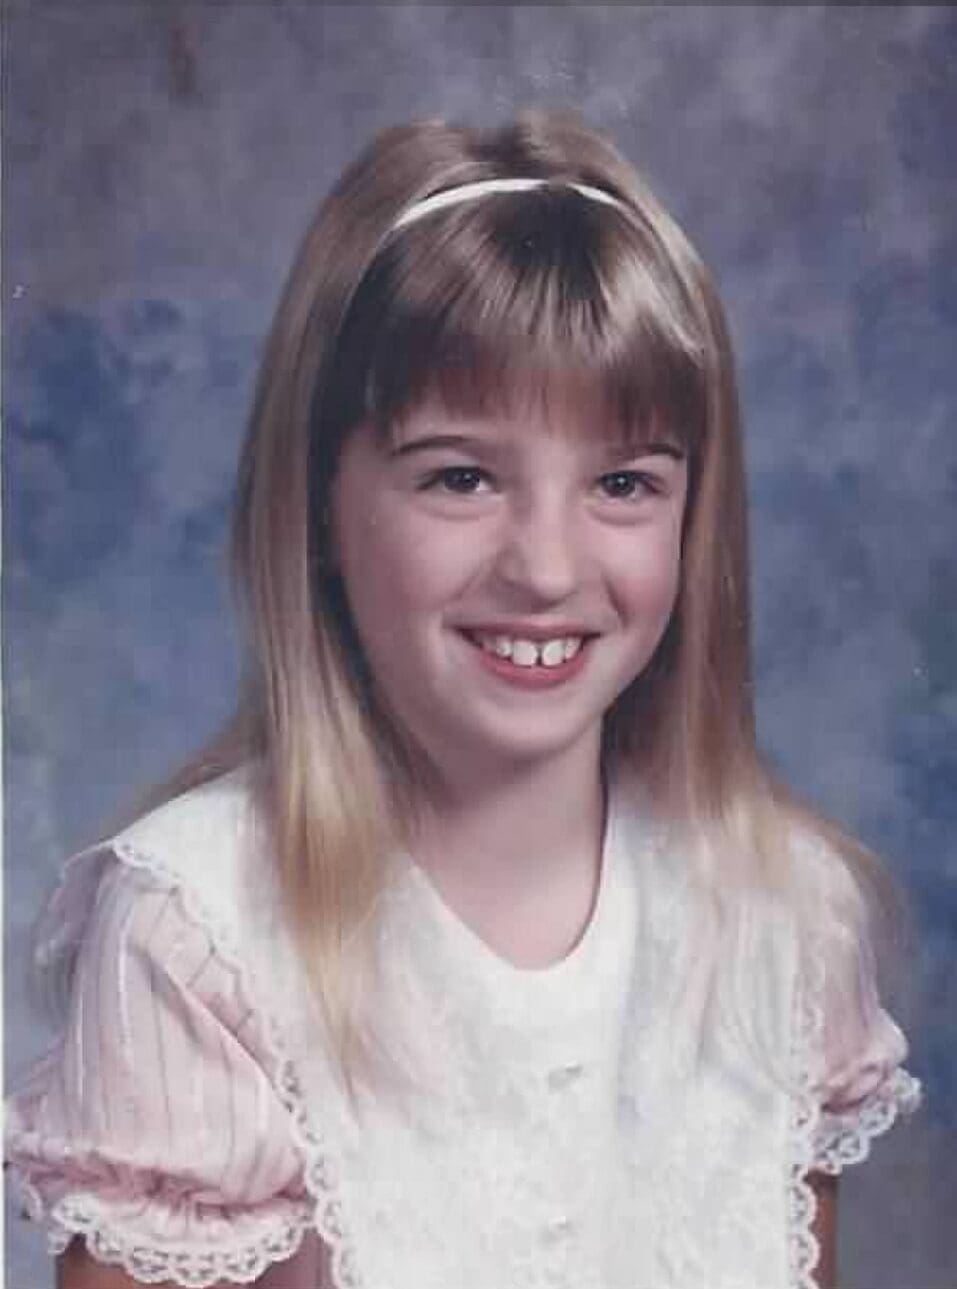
column 836, row 895
column 831, row 869
column 211, row 842
column 847, row 908
column 217, row 822
column 209, row 845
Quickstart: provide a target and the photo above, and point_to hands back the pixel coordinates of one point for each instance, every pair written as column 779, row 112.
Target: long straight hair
column 473, row 305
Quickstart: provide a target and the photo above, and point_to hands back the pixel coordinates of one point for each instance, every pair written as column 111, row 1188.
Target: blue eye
column 460, row 479
column 622, row 485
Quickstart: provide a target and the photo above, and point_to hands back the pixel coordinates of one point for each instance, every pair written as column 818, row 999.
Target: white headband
column 466, row 192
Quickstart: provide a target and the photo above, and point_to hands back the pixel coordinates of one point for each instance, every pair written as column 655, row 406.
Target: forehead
column 560, row 405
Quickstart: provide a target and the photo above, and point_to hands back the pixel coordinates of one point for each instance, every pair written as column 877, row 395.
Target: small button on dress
column 559, row 1228
column 564, row 1076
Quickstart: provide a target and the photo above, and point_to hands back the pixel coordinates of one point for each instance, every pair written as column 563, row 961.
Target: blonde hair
column 471, row 305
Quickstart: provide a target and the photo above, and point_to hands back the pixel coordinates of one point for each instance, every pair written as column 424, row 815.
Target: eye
column 462, row 480
column 623, row 485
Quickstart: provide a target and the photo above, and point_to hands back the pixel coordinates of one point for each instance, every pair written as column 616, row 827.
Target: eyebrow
column 432, row 441
column 653, row 449
column 621, row 450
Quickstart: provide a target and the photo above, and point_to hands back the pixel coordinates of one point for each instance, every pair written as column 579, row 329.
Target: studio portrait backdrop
column 161, row 163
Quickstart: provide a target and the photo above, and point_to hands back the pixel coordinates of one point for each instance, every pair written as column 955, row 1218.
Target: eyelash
column 641, row 484
column 637, row 482
column 442, row 479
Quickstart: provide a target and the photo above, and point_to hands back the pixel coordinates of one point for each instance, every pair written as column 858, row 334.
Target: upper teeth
column 529, row 653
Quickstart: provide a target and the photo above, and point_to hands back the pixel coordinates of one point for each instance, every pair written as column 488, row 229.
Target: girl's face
column 508, row 575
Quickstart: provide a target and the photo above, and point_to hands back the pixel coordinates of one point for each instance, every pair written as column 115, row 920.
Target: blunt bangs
column 542, row 294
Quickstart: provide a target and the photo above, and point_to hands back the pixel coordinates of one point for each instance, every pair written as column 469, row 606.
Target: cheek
column 395, row 567
column 647, row 578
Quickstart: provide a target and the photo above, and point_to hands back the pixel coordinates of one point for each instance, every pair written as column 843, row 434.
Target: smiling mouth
column 528, row 654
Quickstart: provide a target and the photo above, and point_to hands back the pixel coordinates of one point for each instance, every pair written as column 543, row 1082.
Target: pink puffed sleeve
column 155, row 1129
column 865, row 1086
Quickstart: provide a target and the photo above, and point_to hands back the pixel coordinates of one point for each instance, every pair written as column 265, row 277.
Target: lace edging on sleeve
column 107, row 1237
column 844, row 1137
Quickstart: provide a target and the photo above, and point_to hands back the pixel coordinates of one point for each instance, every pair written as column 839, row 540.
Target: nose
column 540, row 553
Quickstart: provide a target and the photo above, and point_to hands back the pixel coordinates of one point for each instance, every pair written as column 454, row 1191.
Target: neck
column 513, row 829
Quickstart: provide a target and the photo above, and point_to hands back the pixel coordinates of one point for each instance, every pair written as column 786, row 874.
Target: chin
column 524, row 746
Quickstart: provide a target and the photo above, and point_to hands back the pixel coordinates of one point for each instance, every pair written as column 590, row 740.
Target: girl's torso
column 580, row 1125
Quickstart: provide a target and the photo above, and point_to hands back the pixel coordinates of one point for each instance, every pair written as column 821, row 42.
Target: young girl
column 482, row 951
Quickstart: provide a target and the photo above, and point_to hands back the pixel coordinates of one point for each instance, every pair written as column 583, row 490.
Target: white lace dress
column 566, row 1128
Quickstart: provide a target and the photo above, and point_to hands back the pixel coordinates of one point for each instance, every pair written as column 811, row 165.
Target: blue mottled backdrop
column 162, row 160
